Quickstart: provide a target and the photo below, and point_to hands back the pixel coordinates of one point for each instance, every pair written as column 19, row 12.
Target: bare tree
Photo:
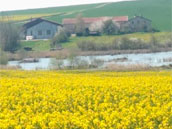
column 80, row 28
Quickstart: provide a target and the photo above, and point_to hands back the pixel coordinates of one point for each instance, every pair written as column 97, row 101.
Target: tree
column 80, row 28
column 59, row 38
column 110, row 28
column 9, row 36
column 3, row 58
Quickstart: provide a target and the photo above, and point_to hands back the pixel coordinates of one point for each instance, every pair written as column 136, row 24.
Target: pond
column 150, row 59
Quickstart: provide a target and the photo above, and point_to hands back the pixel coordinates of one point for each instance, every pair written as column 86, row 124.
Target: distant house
column 125, row 25
column 140, row 24
column 94, row 23
column 40, row 29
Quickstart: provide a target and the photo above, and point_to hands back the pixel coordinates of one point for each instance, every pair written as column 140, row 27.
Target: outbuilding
column 40, row 29
column 140, row 24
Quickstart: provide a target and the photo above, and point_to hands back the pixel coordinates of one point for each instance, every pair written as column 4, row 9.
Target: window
column 31, row 33
column 48, row 32
column 40, row 32
column 132, row 22
column 138, row 22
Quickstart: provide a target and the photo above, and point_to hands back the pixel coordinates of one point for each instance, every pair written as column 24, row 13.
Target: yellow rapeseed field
column 85, row 100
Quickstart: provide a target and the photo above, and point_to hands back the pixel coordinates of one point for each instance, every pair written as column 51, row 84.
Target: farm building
column 93, row 24
column 140, row 24
column 40, row 29
column 135, row 24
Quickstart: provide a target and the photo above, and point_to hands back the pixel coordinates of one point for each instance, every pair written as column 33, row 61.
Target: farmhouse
column 125, row 25
column 140, row 24
column 94, row 23
column 40, row 29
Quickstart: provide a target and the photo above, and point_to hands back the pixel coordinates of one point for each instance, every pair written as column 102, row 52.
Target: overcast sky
column 28, row 4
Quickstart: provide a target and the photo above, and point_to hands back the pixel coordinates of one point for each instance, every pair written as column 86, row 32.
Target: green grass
column 44, row 45
column 41, row 45
column 160, row 36
column 159, row 11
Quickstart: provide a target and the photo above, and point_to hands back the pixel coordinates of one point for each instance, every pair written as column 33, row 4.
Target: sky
column 30, row 4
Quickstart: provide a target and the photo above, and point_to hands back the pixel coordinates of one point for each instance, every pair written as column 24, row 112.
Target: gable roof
column 95, row 19
column 37, row 21
column 140, row 17
column 120, row 19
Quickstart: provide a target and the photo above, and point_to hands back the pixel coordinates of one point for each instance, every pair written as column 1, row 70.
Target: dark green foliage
column 131, row 44
column 59, row 38
column 110, row 28
column 123, row 43
column 9, row 37
column 3, row 58
column 154, row 44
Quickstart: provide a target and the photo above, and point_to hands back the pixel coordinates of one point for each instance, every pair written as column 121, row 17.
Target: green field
column 40, row 45
column 159, row 11
column 43, row 45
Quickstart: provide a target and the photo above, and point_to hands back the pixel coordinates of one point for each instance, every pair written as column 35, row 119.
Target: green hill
column 159, row 11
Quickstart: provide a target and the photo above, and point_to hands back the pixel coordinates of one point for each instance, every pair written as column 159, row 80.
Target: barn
column 93, row 23
column 39, row 29
column 125, row 25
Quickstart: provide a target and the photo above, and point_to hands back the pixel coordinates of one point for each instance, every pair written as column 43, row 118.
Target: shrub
column 22, row 54
column 132, row 44
column 110, row 28
column 80, row 28
column 9, row 37
column 3, row 58
column 59, row 38
column 87, row 45
column 77, row 63
column 168, row 44
column 123, row 43
column 154, row 45
column 57, row 64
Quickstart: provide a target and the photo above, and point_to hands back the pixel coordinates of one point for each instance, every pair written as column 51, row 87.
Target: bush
column 87, row 45
column 9, row 37
column 80, row 27
column 132, row 44
column 59, row 38
column 57, row 64
column 3, row 58
column 22, row 54
column 123, row 43
column 110, row 28
column 154, row 45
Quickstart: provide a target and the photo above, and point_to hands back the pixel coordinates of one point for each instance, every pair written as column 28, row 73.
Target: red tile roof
column 120, row 18
column 95, row 19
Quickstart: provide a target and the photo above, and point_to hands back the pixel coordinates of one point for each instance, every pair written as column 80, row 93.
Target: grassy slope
column 40, row 45
column 51, row 10
column 44, row 45
column 159, row 11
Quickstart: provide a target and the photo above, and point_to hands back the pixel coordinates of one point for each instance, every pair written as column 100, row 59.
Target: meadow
column 44, row 45
column 159, row 11
column 85, row 100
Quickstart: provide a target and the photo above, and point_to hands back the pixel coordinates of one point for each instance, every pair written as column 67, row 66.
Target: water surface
column 150, row 59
